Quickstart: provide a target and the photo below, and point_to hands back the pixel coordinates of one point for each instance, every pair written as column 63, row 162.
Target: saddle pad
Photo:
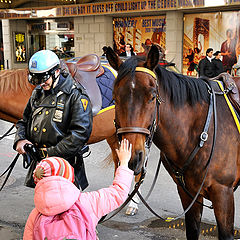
column 232, row 110
column 105, row 83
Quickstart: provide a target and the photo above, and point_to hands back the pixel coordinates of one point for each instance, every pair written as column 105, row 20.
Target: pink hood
column 54, row 195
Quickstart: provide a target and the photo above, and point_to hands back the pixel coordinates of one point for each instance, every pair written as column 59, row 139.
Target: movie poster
column 219, row 31
column 20, row 47
column 138, row 31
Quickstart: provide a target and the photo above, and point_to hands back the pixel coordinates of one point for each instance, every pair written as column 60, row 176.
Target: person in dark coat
column 57, row 119
column 218, row 65
column 104, row 51
column 206, row 67
column 128, row 51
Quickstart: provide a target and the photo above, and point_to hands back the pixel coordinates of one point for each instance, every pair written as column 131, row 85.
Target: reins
column 6, row 134
column 9, row 170
column 13, row 163
column 130, row 196
column 135, row 190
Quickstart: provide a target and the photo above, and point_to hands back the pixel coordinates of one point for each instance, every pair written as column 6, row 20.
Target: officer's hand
column 124, row 152
column 20, row 145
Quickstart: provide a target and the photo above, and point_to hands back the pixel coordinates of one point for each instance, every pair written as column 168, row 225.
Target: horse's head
column 135, row 94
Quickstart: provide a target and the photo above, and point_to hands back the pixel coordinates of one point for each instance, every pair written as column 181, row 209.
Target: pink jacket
column 54, row 195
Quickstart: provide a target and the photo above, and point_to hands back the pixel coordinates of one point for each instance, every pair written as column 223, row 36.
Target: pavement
column 16, row 200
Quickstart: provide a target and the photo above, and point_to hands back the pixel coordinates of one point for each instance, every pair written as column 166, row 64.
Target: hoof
column 131, row 211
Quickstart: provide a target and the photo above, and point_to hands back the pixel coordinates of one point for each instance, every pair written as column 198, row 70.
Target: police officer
column 58, row 117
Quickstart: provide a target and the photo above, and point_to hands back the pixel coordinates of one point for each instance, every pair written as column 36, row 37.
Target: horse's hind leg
column 193, row 216
column 223, row 204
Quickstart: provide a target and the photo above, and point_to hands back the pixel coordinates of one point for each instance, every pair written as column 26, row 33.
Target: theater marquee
column 103, row 8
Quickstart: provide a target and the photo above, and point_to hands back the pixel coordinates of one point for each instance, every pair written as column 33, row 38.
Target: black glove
column 32, row 154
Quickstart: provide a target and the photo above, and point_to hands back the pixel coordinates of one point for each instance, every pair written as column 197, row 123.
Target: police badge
column 34, row 64
column 58, row 116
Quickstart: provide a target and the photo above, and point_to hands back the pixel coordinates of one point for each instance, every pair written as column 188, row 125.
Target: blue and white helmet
column 42, row 66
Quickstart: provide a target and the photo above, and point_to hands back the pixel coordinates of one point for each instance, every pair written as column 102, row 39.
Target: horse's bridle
column 148, row 132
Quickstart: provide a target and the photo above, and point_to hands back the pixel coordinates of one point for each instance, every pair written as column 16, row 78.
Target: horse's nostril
column 136, row 162
column 139, row 159
column 139, row 153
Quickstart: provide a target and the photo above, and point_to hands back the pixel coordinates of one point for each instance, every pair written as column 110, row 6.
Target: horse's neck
column 15, row 91
column 8, row 118
column 179, row 128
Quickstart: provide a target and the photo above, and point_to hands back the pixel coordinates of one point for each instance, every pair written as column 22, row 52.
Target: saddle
column 84, row 71
column 231, row 88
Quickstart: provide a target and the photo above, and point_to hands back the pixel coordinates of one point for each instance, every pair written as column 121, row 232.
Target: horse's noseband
column 133, row 130
column 148, row 132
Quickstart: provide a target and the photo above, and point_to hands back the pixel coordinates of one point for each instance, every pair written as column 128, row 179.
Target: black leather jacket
column 61, row 121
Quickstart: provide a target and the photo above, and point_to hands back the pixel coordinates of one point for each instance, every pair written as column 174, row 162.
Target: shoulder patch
column 84, row 103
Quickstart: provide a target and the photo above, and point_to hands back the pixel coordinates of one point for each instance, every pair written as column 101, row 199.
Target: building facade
column 178, row 26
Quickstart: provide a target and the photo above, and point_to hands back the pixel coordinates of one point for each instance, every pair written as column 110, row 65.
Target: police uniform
column 60, row 120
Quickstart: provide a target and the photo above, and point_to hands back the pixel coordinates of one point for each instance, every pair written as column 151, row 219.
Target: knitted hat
column 53, row 166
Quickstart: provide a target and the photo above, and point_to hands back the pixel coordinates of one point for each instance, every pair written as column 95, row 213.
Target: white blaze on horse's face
column 133, row 85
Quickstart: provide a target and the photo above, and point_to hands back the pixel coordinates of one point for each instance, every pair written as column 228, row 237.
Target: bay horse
column 180, row 119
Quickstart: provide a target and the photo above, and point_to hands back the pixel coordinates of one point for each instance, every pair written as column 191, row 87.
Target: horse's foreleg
column 223, row 204
column 132, row 208
column 193, row 216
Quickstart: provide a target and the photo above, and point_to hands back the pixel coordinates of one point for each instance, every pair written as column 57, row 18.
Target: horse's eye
column 152, row 99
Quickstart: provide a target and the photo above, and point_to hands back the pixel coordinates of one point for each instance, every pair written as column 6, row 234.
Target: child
column 55, row 192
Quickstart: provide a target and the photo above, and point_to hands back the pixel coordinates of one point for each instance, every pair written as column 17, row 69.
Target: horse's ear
column 113, row 59
column 152, row 58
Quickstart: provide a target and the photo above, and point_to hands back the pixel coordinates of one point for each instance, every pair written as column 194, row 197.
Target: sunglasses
column 38, row 78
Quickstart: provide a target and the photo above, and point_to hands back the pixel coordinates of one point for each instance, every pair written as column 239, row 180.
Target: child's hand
column 124, row 153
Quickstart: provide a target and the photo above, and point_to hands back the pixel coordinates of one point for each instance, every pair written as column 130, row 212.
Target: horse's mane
column 182, row 89
column 179, row 88
column 14, row 81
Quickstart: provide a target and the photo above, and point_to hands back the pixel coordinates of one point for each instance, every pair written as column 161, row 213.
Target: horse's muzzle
column 137, row 161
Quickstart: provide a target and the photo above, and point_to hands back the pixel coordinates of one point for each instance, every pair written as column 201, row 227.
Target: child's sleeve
column 28, row 230
column 105, row 200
